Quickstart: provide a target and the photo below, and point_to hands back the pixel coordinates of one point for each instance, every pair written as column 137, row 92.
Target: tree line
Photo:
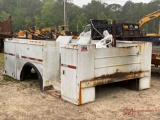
column 45, row 13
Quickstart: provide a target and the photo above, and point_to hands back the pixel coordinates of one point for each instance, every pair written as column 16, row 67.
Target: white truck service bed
column 76, row 69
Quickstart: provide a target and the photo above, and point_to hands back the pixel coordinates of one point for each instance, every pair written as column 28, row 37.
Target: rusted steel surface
column 156, row 55
column 117, row 74
column 80, row 95
column 156, row 59
column 50, row 87
column 6, row 28
column 156, row 50
column 116, row 77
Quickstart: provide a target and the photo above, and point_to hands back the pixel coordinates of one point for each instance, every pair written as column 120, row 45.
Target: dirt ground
column 24, row 101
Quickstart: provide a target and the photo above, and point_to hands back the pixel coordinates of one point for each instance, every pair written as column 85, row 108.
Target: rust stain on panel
column 105, row 79
column 80, row 95
column 117, row 74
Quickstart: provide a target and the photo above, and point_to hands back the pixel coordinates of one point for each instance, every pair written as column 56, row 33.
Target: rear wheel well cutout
column 30, row 71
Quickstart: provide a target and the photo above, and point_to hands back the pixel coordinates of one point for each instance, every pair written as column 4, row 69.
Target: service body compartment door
column 10, row 57
column 69, row 86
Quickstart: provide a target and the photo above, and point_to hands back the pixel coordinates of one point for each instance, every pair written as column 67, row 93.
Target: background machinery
column 123, row 31
column 64, row 30
column 5, row 31
column 149, row 18
column 46, row 33
column 31, row 33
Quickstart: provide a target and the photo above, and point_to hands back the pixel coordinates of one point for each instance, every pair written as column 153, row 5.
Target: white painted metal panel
column 51, row 62
column 146, row 65
column 29, row 51
column 116, row 69
column 86, row 54
column 71, row 78
column 113, row 60
column 69, row 57
column 85, row 62
column 11, row 48
column 120, row 43
column 69, row 86
column 92, row 63
column 80, row 64
column 117, row 61
column 10, row 66
column 84, row 40
column 20, row 63
column 144, row 83
column 63, row 40
column 9, row 59
column 146, row 56
column 88, row 95
column 44, row 55
column 116, row 51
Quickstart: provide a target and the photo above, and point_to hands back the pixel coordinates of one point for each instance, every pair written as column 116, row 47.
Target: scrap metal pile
column 5, row 31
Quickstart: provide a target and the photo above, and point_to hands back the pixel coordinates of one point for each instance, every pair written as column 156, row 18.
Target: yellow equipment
column 49, row 31
column 64, row 30
column 46, row 33
column 148, row 18
column 22, row 34
column 30, row 33
column 34, row 30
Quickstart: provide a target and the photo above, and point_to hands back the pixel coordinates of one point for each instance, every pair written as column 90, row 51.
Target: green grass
column 1, row 61
column 9, row 79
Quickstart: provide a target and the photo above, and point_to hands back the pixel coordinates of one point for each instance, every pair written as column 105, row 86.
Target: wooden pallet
column 54, row 93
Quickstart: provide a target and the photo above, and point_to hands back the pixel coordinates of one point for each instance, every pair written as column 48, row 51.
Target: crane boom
column 148, row 18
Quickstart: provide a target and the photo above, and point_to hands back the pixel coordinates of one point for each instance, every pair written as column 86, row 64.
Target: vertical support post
column 64, row 12
column 159, row 28
column 26, row 35
column 114, row 33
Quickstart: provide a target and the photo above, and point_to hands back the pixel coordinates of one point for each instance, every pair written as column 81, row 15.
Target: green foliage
column 79, row 22
column 4, row 16
column 44, row 13
column 102, row 16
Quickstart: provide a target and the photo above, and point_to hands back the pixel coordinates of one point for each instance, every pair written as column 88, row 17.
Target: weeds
column 1, row 62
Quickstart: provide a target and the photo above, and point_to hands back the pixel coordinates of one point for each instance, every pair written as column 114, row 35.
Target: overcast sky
column 121, row 2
